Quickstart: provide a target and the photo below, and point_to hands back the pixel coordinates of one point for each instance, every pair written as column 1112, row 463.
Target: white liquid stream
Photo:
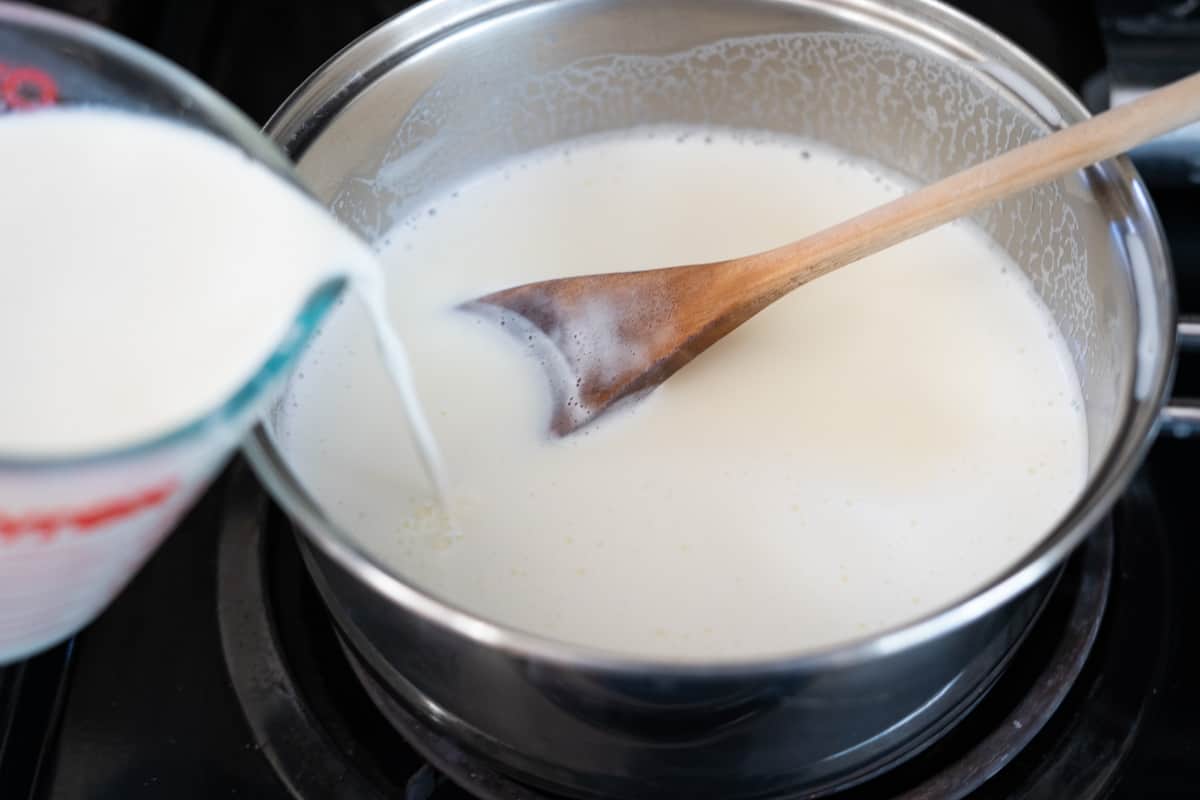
column 869, row 449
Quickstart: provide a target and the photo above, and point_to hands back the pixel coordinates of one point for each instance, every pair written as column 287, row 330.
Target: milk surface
column 149, row 270
column 866, row 450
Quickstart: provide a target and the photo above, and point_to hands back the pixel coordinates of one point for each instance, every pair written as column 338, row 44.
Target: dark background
column 256, row 51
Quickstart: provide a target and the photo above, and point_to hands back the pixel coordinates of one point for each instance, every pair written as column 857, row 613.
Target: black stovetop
column 145, row 704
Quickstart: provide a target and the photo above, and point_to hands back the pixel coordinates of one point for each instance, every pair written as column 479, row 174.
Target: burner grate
column 31, row 697
column 326, row 726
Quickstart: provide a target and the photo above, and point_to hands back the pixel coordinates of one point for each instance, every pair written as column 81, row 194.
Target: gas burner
column 328, row 726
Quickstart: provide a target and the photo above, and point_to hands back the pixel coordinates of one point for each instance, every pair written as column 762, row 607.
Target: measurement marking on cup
column 26, row 87
column 85, row 519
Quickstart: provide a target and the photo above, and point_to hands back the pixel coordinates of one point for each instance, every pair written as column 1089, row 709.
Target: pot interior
column 442, row 92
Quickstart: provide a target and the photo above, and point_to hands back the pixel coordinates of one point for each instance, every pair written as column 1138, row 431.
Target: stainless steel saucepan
column 452, row 85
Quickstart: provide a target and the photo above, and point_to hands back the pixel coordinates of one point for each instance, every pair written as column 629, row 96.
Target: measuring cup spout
column 260, row 391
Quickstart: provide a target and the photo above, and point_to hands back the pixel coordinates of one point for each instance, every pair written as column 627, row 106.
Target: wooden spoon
column 605, row 338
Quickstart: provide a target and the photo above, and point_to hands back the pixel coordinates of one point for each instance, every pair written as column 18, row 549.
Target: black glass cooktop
column 218, row 674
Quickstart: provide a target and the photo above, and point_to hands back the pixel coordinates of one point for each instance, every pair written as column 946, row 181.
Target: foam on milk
column 868, row 449
column 150, row 269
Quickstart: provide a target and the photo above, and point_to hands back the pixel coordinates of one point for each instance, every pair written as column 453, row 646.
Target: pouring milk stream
column 153, row 276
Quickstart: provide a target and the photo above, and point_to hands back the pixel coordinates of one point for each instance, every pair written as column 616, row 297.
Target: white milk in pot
column 864, row 451
column 868, row 449
column 149, row 272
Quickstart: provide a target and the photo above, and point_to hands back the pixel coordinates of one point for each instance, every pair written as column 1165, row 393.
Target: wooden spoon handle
column 1096, row 139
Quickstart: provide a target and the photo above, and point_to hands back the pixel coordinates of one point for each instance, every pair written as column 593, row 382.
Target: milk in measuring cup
column 151, row 273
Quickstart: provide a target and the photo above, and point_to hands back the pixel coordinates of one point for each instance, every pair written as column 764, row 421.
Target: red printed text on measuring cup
column 86, row 518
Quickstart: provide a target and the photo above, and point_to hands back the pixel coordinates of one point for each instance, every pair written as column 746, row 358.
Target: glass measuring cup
column 74, row 530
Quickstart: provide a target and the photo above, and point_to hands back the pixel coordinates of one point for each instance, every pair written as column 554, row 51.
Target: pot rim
column 317, row 101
